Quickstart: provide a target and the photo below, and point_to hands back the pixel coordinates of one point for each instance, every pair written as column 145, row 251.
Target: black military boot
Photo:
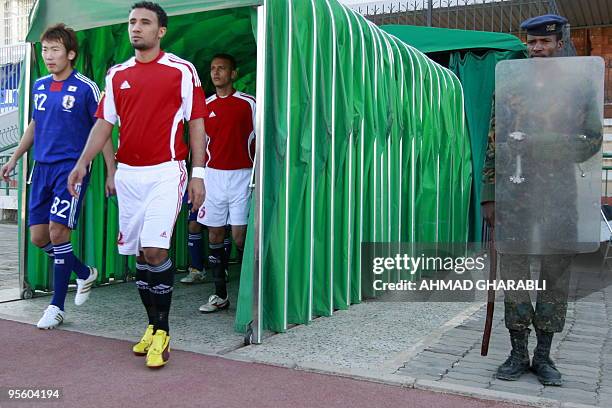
column 543, row 367
column 518, row 362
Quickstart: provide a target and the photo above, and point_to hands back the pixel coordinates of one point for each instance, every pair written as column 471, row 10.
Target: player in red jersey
column 230, row 126
column 151, row 96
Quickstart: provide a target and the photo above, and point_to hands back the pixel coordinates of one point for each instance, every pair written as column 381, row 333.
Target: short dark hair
column 227, row 57
column 162, row 17
column 66, row 35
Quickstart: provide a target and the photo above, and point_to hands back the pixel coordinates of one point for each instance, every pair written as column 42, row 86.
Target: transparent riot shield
column 548, row 130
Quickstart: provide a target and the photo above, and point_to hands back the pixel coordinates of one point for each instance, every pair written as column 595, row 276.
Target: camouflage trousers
column 551, row 304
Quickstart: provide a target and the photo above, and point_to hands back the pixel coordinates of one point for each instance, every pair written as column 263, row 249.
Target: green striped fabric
column 364, row 140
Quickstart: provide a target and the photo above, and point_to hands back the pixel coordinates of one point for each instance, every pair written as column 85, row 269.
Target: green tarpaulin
column 477, row 74
column 433, row 39
column 362, row 138
column 472, row 56
column 82, row 15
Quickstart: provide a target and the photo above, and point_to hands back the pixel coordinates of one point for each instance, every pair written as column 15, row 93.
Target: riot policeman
column 535, row 125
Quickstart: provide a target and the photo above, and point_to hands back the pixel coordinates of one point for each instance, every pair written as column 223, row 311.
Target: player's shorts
column 49, row 196
column 227, row 197
column 150, row 199
column 191, row 215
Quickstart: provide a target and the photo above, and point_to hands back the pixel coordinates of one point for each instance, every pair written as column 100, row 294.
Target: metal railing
column 5, row 188
column 608, row 81
column 14, row 17
column 11, row 66
column 606, row 169
column 479, row 15
column 9, row 137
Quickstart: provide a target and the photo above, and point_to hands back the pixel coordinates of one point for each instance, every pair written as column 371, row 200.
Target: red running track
column 101, row 372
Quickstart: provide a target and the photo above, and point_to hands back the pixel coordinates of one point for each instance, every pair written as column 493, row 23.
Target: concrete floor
column 115, row 311
column 9, row 275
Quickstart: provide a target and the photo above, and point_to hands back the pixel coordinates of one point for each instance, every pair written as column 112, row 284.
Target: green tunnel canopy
column 472, row 56
column 81, row 15
column 363, row 139
column 433, row 39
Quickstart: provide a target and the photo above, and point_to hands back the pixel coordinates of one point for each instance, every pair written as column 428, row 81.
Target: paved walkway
column 9, row 276
column 583, row 353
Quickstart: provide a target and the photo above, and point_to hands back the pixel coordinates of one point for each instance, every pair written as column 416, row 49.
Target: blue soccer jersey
column 63, row 115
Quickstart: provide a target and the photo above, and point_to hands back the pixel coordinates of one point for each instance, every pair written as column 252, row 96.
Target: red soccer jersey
column 230, row 126
column 151, row 101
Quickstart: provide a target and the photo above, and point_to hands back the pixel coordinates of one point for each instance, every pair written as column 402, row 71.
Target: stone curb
column 358, row 374
column 576, row 405
column 481, row 393
column 425, row 385
column 275, row 362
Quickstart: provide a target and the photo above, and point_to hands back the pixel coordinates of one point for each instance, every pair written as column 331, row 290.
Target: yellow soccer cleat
column 159, row 352
column 142, row 347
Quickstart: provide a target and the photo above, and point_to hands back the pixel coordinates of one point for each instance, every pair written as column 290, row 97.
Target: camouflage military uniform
column 551, row 304
column 543, row 139
column 488, row 171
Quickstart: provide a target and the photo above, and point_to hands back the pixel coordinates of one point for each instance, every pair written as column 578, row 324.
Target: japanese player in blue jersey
column 64, row 104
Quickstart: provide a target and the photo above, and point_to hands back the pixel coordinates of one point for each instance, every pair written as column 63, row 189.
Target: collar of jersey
column 73, row 73
column 227, row 96
column 161, row 54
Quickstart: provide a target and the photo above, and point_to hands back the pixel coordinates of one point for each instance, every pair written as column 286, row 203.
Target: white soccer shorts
column 150, row 199
column 227, row 197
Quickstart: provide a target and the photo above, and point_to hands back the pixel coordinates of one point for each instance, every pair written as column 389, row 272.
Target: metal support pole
column 25, row 291
column 254, row 329
column 429, row 13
